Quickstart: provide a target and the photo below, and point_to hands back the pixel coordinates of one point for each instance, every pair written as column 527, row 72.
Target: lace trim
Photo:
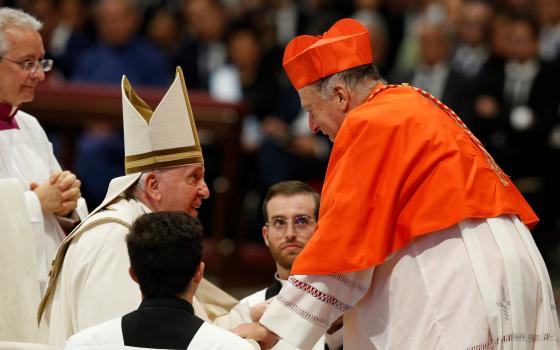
column 329, row 299
column 348, row 282
column 515, row 337
column 302, row 313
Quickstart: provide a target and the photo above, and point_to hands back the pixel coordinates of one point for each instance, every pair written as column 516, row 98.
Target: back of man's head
column 10, row 18
column 165, row 250
column 289, row 188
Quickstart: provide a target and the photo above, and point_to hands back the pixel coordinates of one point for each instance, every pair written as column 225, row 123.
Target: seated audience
column 473, row 31
column 434, row 73
column 201, row 50
column 120, row 50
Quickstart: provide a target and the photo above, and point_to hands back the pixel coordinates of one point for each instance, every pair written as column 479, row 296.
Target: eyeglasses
column 303, row 224
column 32, row 65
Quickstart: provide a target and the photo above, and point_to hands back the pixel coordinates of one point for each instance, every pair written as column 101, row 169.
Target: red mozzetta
column 403, row 165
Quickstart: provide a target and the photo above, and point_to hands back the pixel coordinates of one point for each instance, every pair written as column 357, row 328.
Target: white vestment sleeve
column 81, row 209
column 34, row 209
column 309, row 304
column 37, row 220
column 105, row 335
column 19, row 288
column 211, row 337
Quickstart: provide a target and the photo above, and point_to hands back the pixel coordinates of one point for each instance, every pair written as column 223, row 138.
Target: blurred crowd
column 494, row 62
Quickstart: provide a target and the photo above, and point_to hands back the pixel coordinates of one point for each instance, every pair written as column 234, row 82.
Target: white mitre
column 165, row 137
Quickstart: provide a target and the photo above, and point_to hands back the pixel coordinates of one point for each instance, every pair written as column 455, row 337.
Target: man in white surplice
column 422, row 240
column 51, row 195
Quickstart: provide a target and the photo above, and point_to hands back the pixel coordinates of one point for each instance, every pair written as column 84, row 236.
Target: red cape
column 402, row 166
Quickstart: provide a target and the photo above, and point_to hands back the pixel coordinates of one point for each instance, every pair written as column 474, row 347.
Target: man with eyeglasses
column 52, row 195
column 290, row 210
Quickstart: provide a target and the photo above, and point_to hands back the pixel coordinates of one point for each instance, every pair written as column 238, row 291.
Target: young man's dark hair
column 289, row 188
column 165, row 248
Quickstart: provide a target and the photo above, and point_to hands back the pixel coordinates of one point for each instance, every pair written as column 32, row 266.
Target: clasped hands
column 59, row 194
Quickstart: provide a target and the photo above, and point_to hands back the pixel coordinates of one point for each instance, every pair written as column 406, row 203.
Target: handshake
column 59, row 194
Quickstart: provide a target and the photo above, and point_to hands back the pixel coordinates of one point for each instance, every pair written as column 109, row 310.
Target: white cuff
column 82, row 209
column 289, row 326
column 33, row 207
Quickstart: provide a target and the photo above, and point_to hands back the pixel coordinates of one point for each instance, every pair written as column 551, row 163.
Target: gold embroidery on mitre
column 188, row 102
column 165, row 164
column 166, row 157
column 151, row 160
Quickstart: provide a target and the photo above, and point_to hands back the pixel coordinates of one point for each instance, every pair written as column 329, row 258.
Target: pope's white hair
column 10, row 18
column 141, row 183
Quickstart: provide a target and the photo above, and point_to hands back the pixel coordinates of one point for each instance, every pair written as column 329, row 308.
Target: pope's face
column 16, row 84
column 324, row 114
column 182, row 188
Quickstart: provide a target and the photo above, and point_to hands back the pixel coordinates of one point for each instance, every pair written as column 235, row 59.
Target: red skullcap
column 309, row 58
